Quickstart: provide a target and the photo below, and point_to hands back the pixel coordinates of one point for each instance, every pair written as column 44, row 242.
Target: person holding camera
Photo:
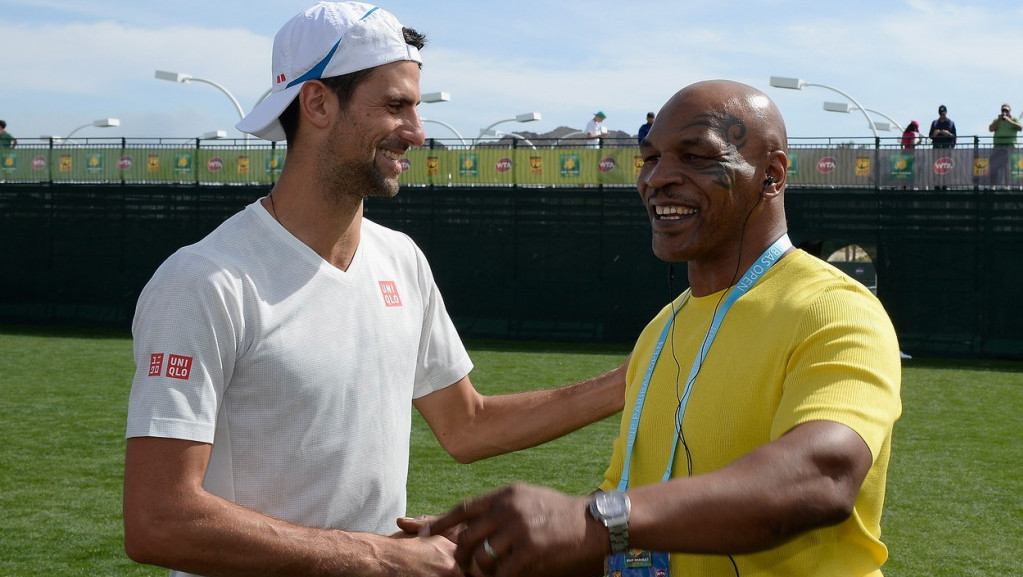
column 943, row 130
column 1005, row 127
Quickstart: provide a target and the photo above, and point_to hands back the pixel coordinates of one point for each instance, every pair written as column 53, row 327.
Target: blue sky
column 67, row 63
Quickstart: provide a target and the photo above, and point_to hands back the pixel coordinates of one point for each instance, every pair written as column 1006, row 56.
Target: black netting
column 537, row 263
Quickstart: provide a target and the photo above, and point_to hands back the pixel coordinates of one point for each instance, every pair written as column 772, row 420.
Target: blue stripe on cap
column 316, row 72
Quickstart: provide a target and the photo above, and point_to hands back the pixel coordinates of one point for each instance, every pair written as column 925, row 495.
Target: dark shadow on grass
column 67, row 332
column 999, row 366
column 547, row 347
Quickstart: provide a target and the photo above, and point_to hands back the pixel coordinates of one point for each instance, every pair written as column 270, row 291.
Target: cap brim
column 263, row 120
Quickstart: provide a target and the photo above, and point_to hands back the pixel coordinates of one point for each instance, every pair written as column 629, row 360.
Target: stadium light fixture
column 846, row 108
column 449, row 127
column 98, row 123
column 432, row 97
column 524, row 117
column 789, row 83
column 214, row 135
column 183, row 78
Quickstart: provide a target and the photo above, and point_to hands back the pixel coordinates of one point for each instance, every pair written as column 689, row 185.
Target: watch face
column 611, row 504
column 612, row 509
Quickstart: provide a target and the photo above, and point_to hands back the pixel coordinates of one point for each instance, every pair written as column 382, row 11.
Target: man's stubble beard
column 345, row 180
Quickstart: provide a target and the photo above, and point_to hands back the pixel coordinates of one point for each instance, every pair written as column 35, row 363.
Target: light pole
column 99, row 123
column 573, row 134
column 798, row 84
column 449, row 127
column 186, row 78
column 846, row 108
column 524, row 117
column 434, row 97
column 499, row 134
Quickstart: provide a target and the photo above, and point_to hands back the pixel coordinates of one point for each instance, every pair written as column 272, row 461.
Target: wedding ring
column 490, row 550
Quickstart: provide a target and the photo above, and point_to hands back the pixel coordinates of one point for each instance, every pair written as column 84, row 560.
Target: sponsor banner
column 94, row 163
column 927, row 167
column 863, row 166
column 1016, row 166
column 831, row 166
column 522, row 166
column 837, row 166
column 901, row 166
column 9, row 162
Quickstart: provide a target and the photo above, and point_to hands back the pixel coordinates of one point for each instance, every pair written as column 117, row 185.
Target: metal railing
column 509, row 161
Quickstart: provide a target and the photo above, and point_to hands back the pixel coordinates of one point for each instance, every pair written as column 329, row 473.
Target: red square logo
column 179, row 367
column 390, row 292
column 155, row 364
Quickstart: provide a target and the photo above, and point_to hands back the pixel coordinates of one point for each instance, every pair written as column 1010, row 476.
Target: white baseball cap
column 329, row 39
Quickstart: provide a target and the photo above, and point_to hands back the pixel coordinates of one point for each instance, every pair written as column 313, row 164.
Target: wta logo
column 503, row 165
column 607, row 164
column 826, row 164
column 943, row 165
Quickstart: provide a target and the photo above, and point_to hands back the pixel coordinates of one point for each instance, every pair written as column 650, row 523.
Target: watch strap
column 616, row 521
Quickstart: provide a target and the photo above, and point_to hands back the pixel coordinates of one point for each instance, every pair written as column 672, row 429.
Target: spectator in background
column 911, row 137
column 6, row 139
column 643, row 129
column 943, row 130
column 1005, row 127
column 595, row 129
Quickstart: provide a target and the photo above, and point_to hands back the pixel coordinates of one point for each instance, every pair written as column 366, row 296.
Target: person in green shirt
column 6, row 139
column 1005, row 127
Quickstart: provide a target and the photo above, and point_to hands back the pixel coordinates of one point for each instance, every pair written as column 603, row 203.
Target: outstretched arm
column 170, row 520
column 808, row 478
column 471, row 426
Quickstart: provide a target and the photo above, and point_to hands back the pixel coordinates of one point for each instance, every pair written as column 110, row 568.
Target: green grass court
column 954, row 507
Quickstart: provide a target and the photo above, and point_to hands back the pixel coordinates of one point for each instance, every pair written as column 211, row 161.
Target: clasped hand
column 524, row 530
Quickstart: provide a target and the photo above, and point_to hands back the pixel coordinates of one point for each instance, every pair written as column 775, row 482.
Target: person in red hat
column 911, row 137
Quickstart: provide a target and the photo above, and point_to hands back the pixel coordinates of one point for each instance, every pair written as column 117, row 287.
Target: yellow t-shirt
column 806, row 343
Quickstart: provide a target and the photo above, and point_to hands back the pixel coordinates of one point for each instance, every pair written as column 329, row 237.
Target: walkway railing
column 816, row 162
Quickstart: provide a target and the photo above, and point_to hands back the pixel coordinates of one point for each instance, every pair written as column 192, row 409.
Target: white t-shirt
column 594, row 128
column 300, row 375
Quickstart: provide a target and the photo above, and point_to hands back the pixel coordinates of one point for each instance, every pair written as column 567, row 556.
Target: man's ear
column 317, row 103
column 774, row 174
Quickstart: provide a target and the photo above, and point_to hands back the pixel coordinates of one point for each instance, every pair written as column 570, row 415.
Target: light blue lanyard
column 753, row 274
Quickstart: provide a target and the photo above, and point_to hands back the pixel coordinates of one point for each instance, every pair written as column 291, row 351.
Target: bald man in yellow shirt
column 760, row 404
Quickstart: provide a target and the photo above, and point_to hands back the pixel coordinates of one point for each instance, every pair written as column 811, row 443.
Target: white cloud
column 96, row 58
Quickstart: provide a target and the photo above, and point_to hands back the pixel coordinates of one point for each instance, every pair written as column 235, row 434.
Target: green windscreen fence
column 545, row 163
column 532, row 263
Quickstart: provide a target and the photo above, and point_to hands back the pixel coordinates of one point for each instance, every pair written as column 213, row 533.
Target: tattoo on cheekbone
column 733, row 132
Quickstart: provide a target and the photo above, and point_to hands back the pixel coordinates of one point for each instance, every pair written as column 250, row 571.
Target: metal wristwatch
column 612, row 509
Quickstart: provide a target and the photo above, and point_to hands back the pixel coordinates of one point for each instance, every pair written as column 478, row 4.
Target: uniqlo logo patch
column 390, row 292
column 155, row 364
column 179, row 367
